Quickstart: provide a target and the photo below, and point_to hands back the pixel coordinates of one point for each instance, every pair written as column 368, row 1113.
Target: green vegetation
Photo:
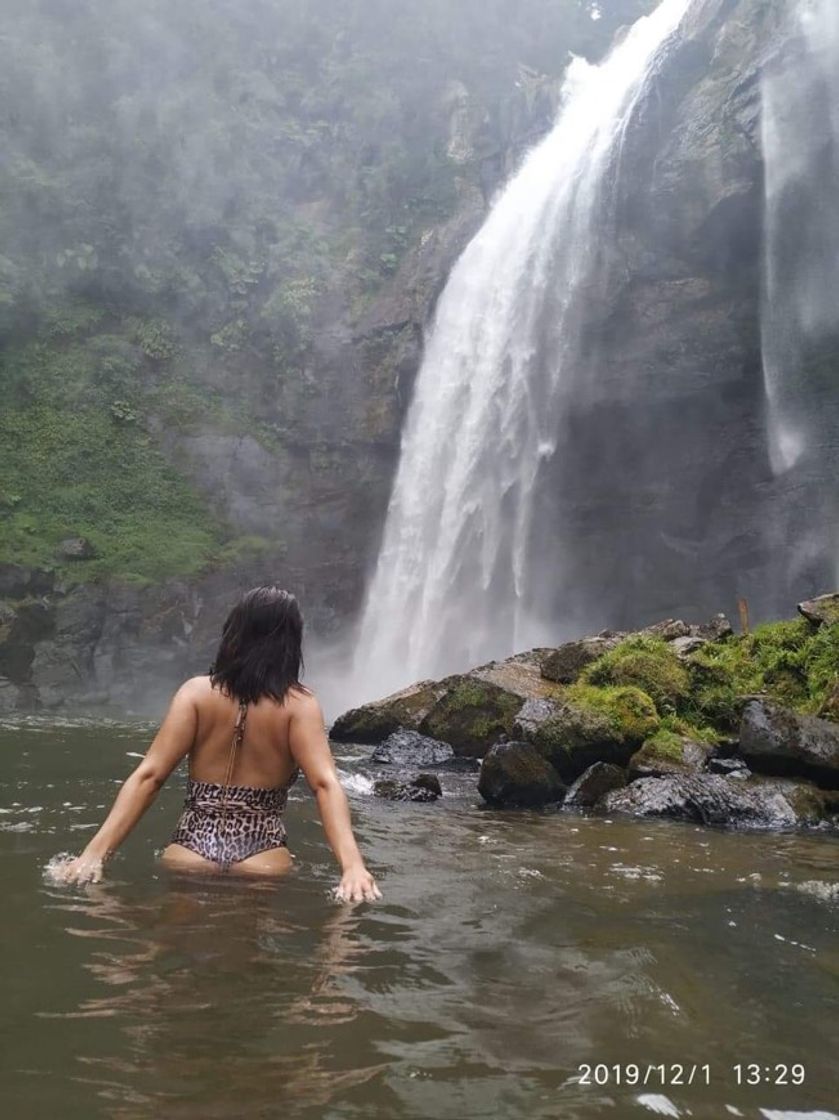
column 795, row 662
column 650, row 664
column 83, row 473
column 181, row 185
column 630, row 712
column 472, row 716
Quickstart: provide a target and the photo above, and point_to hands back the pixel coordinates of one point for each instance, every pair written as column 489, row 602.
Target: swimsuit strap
column 236, row 743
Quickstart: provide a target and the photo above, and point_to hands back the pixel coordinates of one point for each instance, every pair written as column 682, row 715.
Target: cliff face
column 662, row 485
column 299, row 475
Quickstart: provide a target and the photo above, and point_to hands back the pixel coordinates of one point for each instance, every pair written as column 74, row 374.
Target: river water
column 509, row 950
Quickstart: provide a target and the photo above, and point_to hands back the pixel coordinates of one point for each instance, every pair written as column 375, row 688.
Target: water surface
column 510, row 948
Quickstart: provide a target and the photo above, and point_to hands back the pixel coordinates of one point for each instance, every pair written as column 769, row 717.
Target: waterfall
column 453, row 583
column 800, row 313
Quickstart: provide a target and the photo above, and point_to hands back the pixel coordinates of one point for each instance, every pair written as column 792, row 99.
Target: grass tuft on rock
column 647, row 663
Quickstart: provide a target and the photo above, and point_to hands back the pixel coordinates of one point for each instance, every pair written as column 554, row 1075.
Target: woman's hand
column 84, row 869
column 357, row 885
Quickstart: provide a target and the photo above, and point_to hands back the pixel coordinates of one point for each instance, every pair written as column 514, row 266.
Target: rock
column 8, row 616
column 688, row 644
column 76, row 548
column 823, row 610
column 472, row 716
column 604, row 727
column 733, row 767
column 600, row 778
column 774, row 740
column 668, row 630
column 517, row 774
column 19, row 582
column 532, row 715
column 565, row 664
column 519, row 674
column 711, row 799
column 409, row 748
column 667, row 753
column 714, row 631
column 373, row 722
column 424, row 787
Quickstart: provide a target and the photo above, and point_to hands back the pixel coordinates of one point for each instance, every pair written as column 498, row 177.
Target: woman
column 249, row 728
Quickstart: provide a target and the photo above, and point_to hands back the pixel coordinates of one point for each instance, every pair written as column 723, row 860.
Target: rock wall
column 664, row 460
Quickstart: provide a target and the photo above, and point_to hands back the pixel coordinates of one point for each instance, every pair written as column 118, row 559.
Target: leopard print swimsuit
column 226, row 823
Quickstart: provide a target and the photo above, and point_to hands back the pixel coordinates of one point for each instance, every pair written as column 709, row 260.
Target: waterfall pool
column 511, row 953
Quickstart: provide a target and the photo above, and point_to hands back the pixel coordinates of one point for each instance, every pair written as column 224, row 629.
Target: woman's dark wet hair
column 261, row 649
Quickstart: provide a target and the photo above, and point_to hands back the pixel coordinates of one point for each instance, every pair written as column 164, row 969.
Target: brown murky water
column 510, row 950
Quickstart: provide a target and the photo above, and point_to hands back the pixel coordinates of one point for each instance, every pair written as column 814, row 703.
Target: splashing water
column 453, row 584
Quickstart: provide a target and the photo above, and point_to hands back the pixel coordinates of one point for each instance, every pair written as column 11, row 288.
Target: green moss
column 681, row 727
column 792, row 661
column 84, row 473
column 629, row 712
column 647, row 663
column 472, row 716
column 664, row 744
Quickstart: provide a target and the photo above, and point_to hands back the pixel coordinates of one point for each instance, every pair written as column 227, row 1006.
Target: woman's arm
column 310, row 749
column 172, row 742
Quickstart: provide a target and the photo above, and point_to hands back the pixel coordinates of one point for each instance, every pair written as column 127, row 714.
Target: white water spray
column 451, row 585
column 800, row 140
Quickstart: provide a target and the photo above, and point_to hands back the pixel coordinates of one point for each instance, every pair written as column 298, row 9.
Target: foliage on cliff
column 180, row 186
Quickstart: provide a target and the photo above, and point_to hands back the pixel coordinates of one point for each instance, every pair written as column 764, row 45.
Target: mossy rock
column 472, row 716
column 792, row 662
column 823, row 611
column 566, row 663
column 648, row 663
column 667, row 752
column 596, row 725
column 516, row 774
column 372, row 723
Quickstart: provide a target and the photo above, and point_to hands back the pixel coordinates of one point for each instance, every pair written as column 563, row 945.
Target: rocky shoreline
column 687, row 721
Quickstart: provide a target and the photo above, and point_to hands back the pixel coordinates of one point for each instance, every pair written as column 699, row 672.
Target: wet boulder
column 532, row 715
column 711, row 799
column 733, row 767
column 775, row 740
column 594, row 784
column 472, row 716
column 823, row 610
column 715, row 630
column 668, row 629
column 595, row 725
column 668, row 753
column 373, row 722
column 424, row 787
column 404, row 747
column 566, row 663
column 517, row 774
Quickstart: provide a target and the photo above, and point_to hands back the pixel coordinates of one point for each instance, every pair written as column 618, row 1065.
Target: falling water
column 800, row 136
column 452, row 585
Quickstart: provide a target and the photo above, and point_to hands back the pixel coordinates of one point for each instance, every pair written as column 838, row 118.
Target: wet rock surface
column 823, row 610
column 422, row 788
column 516, row 774
column 711, row 799
column 410, row 748
column 593, row 785
column 775, row 740
column 669, row 754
